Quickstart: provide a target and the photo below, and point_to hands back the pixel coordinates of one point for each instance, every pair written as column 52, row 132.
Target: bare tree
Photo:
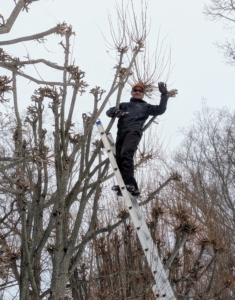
column 206, row 162
column 210, row 161
column 53, row 172
column 223, row 10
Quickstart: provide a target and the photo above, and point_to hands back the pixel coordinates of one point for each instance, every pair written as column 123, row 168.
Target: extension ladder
column 161, row 288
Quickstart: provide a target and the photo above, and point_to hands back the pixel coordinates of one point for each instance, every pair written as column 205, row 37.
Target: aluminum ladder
column 161, row 287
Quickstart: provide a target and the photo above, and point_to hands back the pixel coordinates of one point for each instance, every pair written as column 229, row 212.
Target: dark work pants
column 126, row 146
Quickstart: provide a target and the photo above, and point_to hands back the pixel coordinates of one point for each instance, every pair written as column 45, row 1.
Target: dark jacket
column 138, row 113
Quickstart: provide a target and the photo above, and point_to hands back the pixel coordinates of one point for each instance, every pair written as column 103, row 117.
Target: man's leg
column 129, row 147
column 119, row 142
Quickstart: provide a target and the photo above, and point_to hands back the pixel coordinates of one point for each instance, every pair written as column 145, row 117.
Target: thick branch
column 10, row 65
column 2, row 168
column 51, row 83
column 13, row 159
column 15, row 192
column 153, row 194
column 44, row 82
column 176, row 250
column 30, row 37
column 149, row 123
column 7, row 27
column 28, row 258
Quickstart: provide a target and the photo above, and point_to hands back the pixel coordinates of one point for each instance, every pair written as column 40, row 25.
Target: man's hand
column 119, row 113
column 162, row 88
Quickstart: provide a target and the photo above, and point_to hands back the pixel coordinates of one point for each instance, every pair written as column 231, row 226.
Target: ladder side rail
column 112, row 143
column 159, row 274
column 152, row 257
column 156, row 266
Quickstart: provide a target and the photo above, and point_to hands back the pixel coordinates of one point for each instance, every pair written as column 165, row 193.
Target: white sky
column 199, row 69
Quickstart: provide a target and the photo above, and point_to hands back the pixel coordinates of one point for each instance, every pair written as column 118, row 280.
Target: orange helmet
column 138, row 84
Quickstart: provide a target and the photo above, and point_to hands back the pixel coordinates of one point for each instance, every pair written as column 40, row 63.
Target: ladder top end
column 98, row 123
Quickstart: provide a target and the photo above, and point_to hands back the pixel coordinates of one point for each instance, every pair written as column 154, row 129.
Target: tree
column 53, row 172
column 206, row 162
column 220, row 10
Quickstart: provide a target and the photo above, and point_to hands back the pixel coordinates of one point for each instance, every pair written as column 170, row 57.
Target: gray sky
column 199, row 69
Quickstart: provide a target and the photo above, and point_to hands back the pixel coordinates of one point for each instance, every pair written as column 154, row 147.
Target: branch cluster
column 5, row 87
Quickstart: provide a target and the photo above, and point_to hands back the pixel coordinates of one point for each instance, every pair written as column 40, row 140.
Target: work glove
column 162, row 88
column 119, row 113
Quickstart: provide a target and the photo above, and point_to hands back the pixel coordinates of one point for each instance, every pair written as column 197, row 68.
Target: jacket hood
column 137, row 100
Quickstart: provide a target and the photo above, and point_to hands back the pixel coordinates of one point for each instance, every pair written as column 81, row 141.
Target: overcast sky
column 199, row 69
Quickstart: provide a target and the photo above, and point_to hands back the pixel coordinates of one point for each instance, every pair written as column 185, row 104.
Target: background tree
column 223, row 10
column 206, row 162
column 208, row 159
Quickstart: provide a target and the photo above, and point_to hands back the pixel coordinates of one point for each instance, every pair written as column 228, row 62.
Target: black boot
column 117, row 189
column 133, row 190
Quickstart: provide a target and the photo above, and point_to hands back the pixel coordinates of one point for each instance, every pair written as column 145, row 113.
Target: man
column 132, row 116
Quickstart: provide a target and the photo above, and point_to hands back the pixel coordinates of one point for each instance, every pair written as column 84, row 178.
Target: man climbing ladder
column 132, row 116
column 161, row 287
